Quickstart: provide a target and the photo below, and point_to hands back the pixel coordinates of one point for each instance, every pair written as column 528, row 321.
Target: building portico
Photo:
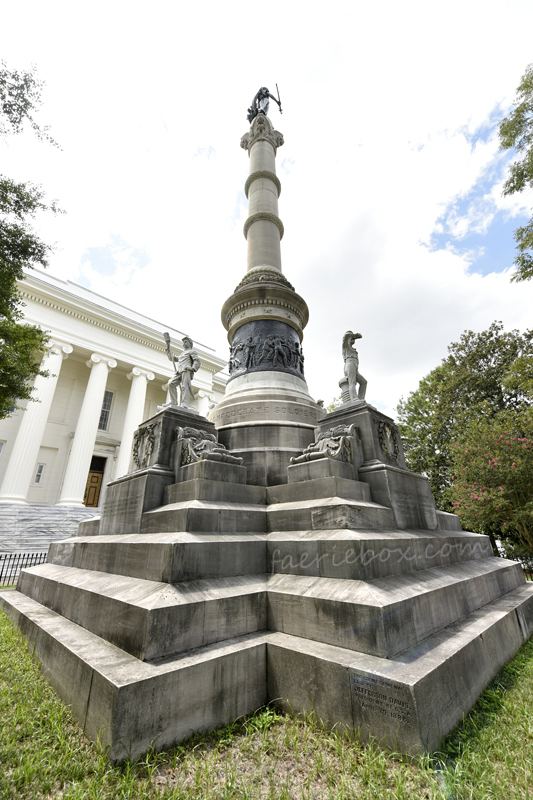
column 107, row 371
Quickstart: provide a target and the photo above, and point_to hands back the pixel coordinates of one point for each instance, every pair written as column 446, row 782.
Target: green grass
column 44, row 754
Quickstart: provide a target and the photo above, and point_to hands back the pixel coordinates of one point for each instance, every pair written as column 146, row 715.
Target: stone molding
column 263, row 215
column 272, row 308
column 262, row 173
column 133, row 332
column 138, row 371
column 261, row 274
column 96, row 358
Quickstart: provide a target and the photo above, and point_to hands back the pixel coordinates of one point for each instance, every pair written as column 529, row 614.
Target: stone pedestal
column 130, row 496
column 380, row 462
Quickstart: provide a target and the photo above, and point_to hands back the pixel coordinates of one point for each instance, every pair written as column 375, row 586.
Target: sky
column 395, row 224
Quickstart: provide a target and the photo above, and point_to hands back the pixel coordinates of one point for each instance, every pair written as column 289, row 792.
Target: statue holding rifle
column 186, row 365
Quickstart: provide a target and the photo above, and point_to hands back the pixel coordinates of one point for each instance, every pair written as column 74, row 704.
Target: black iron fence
column 12, row 563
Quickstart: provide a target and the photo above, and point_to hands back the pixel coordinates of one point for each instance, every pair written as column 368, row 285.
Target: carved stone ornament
column 271, row 351
column 143, row 445
column 389, row 441
column 262, row 128
column 262, row 173
column 335, row 443
column 259, row 215
column 262, row 274
column 198, row 445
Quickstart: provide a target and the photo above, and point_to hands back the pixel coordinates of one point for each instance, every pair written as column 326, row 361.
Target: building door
column 94, row 481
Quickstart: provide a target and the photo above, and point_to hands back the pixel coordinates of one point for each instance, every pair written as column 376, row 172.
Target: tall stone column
column 83, row 445
column 134, row 416
column 25, row 452
column 267, row 415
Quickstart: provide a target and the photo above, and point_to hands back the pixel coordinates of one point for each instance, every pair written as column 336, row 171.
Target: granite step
column 365, row 555
column 384, row 616
column 147, row 619
column 215, row 491
column 329, row 513
column 165, row 557
column 129, row 705
column 319, row 488
column 408, row 702
column 199, row 515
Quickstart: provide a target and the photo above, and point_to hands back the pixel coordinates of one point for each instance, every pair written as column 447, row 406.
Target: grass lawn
column 44, row 754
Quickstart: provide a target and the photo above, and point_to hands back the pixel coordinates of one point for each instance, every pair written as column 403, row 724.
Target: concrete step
column 385, row 616
column 199, row 515
column 408, row 703
column 364, row 555
column 319, row 488
column 329, row 513
column 129, row 705
column 166, row 557
column 147, row 619
column 215, row 491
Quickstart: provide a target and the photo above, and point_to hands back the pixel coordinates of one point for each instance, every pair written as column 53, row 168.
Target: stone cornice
column 265, row 301
column 262, row 173
column 84, row 313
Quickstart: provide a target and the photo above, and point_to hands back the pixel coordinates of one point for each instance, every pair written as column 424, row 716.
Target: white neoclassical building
column 108, row 371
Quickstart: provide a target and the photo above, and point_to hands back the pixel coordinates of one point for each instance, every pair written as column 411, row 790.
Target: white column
column 83, row 445
column 134, row 416
column 25, row 452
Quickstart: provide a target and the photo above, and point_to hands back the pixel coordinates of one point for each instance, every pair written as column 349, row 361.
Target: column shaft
column 25, row 452
column 83, row 445
column 134, row 416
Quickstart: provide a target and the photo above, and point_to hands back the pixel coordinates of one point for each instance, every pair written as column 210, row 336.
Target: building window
column 106, row 411
column 1, row 447
column 38, row 479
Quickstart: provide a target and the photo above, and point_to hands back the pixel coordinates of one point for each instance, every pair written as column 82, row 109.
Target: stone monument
column 271, row 552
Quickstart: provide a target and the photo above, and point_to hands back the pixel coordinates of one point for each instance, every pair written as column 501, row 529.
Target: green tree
column 469, row 384
column 516, row 131
column 492, row 469
column 21, row 344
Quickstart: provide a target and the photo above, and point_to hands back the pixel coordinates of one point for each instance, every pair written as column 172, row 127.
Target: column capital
column 57, row 348
column 138, row 371
column 96, row 358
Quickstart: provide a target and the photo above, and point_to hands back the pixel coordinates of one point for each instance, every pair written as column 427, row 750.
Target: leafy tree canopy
column 21, row 344
column 516, row 131
column 492, row 471
column 476, row 380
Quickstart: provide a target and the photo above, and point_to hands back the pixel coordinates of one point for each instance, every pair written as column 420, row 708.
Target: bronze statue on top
column 261, row 102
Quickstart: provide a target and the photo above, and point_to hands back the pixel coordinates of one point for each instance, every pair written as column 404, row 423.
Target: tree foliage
column 474, row 382
column 20, row 248
column 492, row 474
column 516, row 131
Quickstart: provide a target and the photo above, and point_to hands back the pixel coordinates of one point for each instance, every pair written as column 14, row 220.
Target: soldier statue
column 261, row 103
column 187, row 364
column 351, row 366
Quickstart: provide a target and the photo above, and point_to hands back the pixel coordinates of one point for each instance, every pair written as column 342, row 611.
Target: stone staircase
column 224, row 595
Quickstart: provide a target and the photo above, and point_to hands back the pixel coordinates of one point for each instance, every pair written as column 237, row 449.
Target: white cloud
column 381, row 104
